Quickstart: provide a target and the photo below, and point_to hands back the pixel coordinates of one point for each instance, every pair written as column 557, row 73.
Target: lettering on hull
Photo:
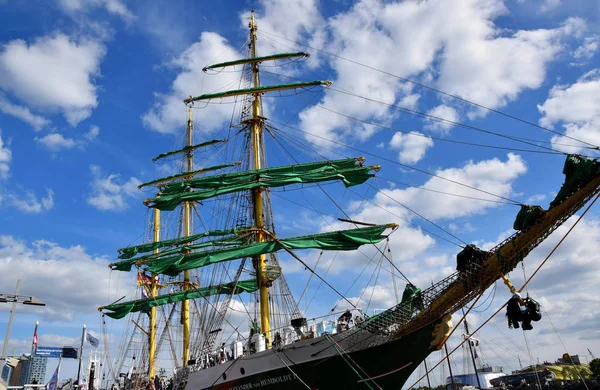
column 263, row 382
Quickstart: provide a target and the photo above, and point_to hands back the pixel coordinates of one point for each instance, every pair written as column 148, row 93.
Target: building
column 38, row 370
column 16, row 371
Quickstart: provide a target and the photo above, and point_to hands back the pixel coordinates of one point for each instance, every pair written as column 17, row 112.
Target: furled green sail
column 188, row 148
column 130, row 251
column 228, row 241
column 344, row 240
column 345, row 170
column 186, row 174
column 255, row 90
column 242, row 61
column 120, row 310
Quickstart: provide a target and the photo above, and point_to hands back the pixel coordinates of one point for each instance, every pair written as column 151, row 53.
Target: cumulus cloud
column 28, row 202
column 169, row 111
column 54, row 142
column 587, row 50
column 22, row 113
column 43, row 263
column 494, row 176
column 65, row 85
column 113, row 6
column 412, row 146
column 93, row 133
column 477, row 60
column 447, row 113
column 5, row 159
column 577, row 107
column 110, row 192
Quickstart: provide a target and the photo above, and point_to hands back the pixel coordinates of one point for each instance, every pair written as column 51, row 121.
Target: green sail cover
column 129, row 252
column 188, row 148
column 120, row 310
column 185, row 174
column 185, row 248
column 256, row 90
column 344, row 240
column 207, row 187
column 257, row 59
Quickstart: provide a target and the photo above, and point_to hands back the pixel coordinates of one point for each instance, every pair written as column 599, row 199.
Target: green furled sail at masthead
column 343, row 240
column 130, row 251
column 120, row 310
column 347, row 170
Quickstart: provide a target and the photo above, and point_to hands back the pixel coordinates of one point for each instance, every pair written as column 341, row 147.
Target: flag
column 143, row 279
column 92, row 340
column 52, row 385
column 35, row 338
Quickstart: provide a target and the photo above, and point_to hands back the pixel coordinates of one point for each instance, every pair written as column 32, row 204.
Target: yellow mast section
column 187, row 231
column 260, row 262
column 153, row 288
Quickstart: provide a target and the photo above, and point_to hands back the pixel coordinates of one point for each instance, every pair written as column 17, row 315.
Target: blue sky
column 91, row 91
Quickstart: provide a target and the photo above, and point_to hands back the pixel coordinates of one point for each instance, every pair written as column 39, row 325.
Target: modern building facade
column 17, row 372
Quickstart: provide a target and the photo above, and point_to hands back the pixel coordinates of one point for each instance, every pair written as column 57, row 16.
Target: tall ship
column 213, row 299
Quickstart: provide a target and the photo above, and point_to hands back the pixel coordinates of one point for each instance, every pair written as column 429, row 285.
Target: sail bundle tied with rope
column 350, row 171
column 120, row 310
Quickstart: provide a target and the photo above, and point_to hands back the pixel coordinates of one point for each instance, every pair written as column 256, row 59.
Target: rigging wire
column 562, row 342
column 416, row 134
column 436, row 90
column 401, row 164
column 420, row 188
column 548, row 150
column 521, row 289
column 421, row 216
column 437, row 119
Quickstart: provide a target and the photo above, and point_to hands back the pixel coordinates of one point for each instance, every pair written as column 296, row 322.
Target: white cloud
column 492, row 70
column 93, row 133
column 27, row 201
column 23, row 113
column 442, row 112
column 494, row 176
column 113, row 6
column 587, row 50
column 5, row 159
column 42, row 263
column 577, row 107
column 289, row 19
column 66, row 84
column 412, row 146
column 110, row 193
column 54, row 142
column 169, row 111
column 549, row 5
column 477, row 60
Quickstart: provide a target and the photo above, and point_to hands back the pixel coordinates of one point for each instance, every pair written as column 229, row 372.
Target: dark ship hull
column 326, row 362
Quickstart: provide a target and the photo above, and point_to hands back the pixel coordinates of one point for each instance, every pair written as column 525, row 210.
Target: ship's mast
column 260, row 262
column 153, row 288
column 187, row 231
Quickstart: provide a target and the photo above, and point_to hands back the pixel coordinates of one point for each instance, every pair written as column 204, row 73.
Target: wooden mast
column 260, row 262
column 187, row 231
column 153, row 290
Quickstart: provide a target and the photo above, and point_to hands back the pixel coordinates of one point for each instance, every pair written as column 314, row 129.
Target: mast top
column 252, row 23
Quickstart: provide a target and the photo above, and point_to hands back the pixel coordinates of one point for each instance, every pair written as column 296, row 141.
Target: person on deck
column 344, row 321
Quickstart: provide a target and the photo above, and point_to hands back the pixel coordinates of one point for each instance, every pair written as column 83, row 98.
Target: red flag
column 35, row 339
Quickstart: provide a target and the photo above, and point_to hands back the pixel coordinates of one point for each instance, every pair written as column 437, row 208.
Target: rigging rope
column 521, row 289
column 435, row 90
column 365, row 381
column 400, row 164
column 537, row 376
